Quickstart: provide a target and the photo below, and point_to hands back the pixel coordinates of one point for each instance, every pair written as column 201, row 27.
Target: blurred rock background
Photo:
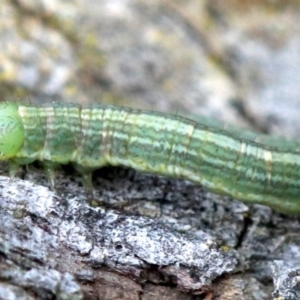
column 237, row 61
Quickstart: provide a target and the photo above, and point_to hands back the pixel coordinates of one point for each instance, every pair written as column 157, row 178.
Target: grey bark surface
column 59, row 246
column 137, row 236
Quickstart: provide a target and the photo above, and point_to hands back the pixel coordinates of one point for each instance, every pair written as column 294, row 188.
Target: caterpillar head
column 11, row 130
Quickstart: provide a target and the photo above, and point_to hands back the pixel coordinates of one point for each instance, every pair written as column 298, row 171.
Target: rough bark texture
column 59, row 246
column 136, row 237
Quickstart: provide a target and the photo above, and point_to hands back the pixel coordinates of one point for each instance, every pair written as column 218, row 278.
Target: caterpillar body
column 98, row 135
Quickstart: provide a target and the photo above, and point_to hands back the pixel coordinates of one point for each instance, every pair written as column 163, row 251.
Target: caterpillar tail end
column 11, row 130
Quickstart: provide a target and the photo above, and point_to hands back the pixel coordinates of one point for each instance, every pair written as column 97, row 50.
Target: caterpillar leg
column 16, row 163
column 13, row 168
column 86, row 174
column 50, row 169
column 87, row 182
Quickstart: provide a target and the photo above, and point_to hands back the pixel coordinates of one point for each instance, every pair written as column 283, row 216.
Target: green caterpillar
column 98, row 135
